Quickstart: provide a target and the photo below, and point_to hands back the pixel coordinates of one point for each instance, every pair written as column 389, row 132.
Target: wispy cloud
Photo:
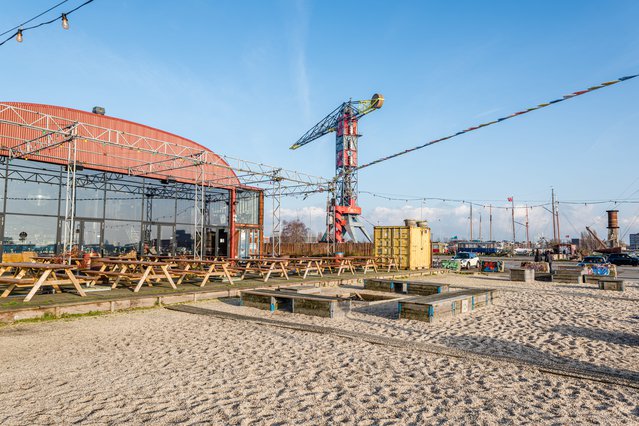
column 299, row 35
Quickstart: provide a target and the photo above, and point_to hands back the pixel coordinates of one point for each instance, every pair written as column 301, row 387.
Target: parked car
column 467, row 260
column 593, row 260
column 622, row 259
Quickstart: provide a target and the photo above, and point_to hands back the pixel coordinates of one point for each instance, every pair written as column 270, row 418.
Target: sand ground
column 163, row 367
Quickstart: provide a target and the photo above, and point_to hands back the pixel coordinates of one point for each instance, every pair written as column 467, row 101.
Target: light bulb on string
column 19, row 36
column 65, row 21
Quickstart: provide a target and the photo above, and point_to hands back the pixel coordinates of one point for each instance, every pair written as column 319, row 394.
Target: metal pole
column 527, row 235
column 490, row 209
column 554, row 216
column 471, row 221
column 512, row 200
column 558, row 229
column 479, row 226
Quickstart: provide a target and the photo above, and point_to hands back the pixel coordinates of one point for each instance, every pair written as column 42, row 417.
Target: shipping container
column 411, row 245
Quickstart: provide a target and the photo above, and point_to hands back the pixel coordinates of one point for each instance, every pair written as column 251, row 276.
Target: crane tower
column 343, row 213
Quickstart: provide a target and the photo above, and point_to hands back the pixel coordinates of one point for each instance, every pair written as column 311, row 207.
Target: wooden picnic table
column 201, row 268
column 387, row 261
column 264, row 267
column 36, row 275
column 364, row 262
column 330, row 263
column 305, row 265
column 132, row 270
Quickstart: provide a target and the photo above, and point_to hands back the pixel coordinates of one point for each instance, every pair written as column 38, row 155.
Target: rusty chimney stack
column 613, row 228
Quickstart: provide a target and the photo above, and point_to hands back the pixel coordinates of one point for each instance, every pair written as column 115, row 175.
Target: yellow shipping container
column 409, row 244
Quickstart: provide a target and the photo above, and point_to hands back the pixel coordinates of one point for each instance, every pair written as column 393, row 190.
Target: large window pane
column 29, row 233
column 184, row 239
column 163, row 210
column 247, row 208
column 121, row 237
column 120, row 205
column 185, row 211
column 32, row 197
column 219, row 213
column 89, row 202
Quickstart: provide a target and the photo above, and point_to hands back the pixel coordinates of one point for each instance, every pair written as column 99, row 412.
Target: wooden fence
column 322, row 249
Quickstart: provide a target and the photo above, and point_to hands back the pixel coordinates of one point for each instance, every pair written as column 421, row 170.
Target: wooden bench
column 609, row 283
column 405, row 287
column 522, row 275
column 573, row 275
column 444, row 305
column 298, row 303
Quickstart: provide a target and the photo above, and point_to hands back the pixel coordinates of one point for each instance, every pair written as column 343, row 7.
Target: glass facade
column 114, row 213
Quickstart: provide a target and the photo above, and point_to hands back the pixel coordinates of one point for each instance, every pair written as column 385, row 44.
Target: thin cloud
column 300, row 31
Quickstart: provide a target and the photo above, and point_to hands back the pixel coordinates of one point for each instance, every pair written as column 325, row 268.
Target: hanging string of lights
column 499, row 120
column 21, row 29
column 485, row 203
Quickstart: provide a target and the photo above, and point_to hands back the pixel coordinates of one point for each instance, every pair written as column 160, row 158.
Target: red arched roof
column 108, row 144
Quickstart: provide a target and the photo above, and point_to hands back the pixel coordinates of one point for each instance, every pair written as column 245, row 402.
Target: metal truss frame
column 211, row 170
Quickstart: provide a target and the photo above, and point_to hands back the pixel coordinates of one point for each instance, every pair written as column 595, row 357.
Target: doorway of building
column 215, row 242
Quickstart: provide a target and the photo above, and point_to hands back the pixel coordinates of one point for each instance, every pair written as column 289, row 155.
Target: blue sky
column 247, row 78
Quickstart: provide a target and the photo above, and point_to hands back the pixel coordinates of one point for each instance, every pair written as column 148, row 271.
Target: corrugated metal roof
column 108, row 144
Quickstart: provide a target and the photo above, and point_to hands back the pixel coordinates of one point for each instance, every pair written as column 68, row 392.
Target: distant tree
column 588, row 243
column 294, row 231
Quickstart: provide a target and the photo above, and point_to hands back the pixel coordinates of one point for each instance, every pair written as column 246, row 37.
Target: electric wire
column 22, row 30
column 34, row 18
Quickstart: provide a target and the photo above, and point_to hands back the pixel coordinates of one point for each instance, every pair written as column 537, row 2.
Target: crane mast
column 343, row 213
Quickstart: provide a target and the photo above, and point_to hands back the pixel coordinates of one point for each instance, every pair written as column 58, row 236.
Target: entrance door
column 215, row 242
column 222, row 243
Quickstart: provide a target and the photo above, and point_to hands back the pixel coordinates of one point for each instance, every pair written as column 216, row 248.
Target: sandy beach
column 161, row 366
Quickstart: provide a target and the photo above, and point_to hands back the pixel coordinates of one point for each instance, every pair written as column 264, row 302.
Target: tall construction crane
column 343, row 213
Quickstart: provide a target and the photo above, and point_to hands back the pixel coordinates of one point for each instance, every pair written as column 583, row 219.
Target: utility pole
column 471, row 221
column 512, row 200
column 480, row 226
column 554, row 215
column 558, row 229
column 490, row 210
column 527, row 235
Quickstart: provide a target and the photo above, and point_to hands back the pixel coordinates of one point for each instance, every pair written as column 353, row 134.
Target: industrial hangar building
column 70, row 177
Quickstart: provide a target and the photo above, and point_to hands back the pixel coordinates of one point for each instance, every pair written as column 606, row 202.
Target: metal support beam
column 69, row 239
column 198, row 215
column 276, row 246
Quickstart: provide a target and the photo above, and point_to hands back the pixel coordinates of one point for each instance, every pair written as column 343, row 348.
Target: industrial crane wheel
column 377, row 101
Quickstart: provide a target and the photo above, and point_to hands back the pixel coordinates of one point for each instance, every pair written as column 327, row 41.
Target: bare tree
column 294, row 231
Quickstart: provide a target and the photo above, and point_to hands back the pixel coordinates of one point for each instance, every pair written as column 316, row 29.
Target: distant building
column 634, row 242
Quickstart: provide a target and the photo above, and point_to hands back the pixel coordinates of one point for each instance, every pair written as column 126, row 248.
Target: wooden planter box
column 297, row 303
column 405, row 287
column 523, row 275
column 445, row 305
column 611, row 284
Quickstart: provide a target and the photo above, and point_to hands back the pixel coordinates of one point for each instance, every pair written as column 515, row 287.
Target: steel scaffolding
column 211, row 170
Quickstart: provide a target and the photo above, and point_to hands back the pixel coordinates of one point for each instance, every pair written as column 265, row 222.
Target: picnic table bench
column 36, row 275
column 204, row 269
column 133, row 271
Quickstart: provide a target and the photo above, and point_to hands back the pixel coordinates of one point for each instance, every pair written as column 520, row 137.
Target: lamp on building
column 167, row 180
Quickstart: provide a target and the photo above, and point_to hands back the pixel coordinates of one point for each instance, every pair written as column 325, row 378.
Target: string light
column 64, row 18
